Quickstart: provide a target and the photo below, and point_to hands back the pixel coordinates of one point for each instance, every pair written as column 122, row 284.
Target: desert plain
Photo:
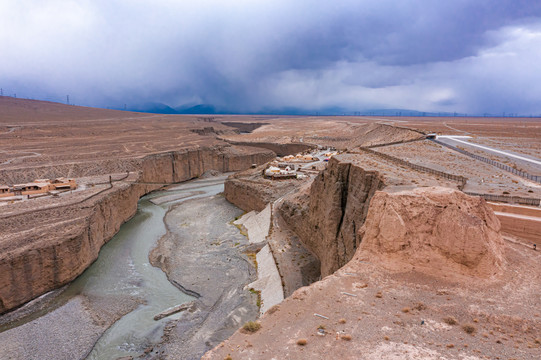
column 389, row 245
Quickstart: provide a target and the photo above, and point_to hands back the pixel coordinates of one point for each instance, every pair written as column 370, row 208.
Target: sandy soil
column 393, row 315
column 482, row 177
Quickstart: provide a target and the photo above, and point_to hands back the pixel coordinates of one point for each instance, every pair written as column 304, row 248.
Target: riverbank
column 102, row 319
column 204, row 255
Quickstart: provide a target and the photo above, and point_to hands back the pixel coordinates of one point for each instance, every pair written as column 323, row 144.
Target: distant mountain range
column 160, row 108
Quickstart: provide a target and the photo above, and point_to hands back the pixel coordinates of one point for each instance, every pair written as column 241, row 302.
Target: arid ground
column 474, row 301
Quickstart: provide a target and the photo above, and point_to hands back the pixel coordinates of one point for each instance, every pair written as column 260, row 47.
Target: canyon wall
column 327, row 219
column 437, row 230
column 246, row 195
column 36, row 266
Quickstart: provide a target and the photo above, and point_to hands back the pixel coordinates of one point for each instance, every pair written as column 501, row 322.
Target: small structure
column 274, row 172
column 431, row 136
column 289, row 158
column 39, row 186
column 63, row 183
column 31, row 188
column 4, row 189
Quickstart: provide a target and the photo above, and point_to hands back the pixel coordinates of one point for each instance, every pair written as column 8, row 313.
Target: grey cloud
column 246, row 56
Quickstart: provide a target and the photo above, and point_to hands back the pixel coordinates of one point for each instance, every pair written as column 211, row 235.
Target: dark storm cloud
column 247, row 55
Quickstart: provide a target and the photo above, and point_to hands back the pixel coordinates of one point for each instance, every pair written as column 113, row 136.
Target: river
column 122, row 272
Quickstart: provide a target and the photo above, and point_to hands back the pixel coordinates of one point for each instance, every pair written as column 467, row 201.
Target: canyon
column 376, row 247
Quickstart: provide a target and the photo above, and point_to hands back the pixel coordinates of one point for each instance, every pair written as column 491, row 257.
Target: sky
column 468, row 56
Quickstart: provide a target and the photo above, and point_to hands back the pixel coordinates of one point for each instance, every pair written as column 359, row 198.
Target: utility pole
column 67, row 99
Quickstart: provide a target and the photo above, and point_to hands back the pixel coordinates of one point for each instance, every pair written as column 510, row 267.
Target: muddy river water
column 122, row 273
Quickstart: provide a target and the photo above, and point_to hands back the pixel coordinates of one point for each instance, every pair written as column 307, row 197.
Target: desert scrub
column 302, row 342
column 450, row 320
column 251, row 326
column 346, row 337
column 273, row 309
column 469, row 328
column 258, row 293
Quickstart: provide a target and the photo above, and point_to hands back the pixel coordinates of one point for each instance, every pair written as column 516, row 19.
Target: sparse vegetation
column 273, row 309
column 252, row 256
column 379, row 295
column 302, row 342
column 450, row 346
column 228, row 358
column 419, row 306
column 251, row 327
column 406, row 310
column 469, row 328
column 342, row 321
column 346, row 337
column 450, row 320
column 321, row 326
column 258, row 293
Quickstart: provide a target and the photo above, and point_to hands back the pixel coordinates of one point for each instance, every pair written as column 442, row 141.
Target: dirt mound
column 437, row 229
column 377, row 134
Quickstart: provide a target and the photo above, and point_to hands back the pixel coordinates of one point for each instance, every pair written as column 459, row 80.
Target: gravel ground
column 68, row 332
column 202, row 254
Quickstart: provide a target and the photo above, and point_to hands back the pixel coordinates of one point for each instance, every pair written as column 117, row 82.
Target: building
column 39, row 186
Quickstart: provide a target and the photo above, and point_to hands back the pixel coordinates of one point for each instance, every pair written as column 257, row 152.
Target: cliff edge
column 440, row 230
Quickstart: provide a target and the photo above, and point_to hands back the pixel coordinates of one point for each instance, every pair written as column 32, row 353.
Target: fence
column 396, row 142
column 460, row 179
column 536, row 178
column 508, row 199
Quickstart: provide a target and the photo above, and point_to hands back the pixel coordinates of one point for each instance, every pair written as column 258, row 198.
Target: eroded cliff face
column 438, row 230
column 249, row 191
column 41, row 266
column 328, row 217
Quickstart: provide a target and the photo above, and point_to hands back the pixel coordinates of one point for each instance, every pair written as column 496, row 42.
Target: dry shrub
column 450, row 346
column 228, row 358
column 419, row 306
column 273, row 309
column 346, row 337
column 450, row 320
column 386, row 338
column 342, row 321
column 379, row 295
column 251, row 326
column 301, row 342
column 469, row 328
column 406, row 310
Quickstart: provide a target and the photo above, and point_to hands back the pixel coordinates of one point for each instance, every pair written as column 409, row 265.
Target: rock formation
column 436, row 229
column 327, row 219
column 42, row 261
